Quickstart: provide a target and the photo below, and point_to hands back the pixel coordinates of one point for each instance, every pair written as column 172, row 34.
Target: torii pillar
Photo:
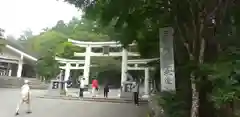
column 124, row 65
column 20, row 66
column 146, row 83
column 87, row 65
column 67, row 74
column 124, row 69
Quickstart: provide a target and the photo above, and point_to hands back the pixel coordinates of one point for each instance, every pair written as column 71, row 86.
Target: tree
column 26, row 35
column 46, row 41
column 61, row 27
column 66, row 50
column 47, row 66
column 197, row 25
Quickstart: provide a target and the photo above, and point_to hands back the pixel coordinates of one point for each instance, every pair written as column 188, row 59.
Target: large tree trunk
column 206, row 106
column 182, row 73
column 198, row 59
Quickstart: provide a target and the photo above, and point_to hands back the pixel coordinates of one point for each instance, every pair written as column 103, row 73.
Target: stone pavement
column 113, row 96
column 66, row 108
column 113, row 93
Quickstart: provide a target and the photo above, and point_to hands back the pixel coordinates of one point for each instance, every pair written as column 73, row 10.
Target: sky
column 19, row 15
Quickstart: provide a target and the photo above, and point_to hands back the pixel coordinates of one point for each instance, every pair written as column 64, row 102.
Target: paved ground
column 66, row 108
column 74, row 92
column 113, row 93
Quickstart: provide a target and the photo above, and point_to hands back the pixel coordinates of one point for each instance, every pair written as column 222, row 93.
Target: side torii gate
column 68, row 65
column 137, row 63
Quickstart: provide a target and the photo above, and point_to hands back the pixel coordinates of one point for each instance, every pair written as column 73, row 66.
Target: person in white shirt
column 81, row 91
column 25, row 97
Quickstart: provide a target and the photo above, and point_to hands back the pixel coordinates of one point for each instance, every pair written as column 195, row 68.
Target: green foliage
column 172, row 106
column 45, row 42
column 225, row 71
column 47, row 66
column 128, row 20
column 56, row 37
column 193, row 21
column 225, row 82
column 66, row 50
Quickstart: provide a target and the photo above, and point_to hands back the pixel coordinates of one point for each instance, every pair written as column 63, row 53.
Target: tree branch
column 214, row 10
column 193, row 16
column 186, row 45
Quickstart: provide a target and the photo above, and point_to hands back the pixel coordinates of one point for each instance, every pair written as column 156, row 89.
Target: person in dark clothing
column 106, row 90
column 69, row 83
column 135, row 90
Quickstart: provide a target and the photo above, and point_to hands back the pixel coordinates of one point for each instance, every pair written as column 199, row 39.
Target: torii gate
column 105, row 45
column 132, row 65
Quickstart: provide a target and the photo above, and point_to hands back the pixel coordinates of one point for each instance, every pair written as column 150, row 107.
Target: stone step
column 112, row 100
column 14, row 82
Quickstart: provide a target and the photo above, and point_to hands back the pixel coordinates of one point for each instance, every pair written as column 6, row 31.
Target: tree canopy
column 205, row 43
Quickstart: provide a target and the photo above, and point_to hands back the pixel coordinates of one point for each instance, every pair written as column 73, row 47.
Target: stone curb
column 111, row 100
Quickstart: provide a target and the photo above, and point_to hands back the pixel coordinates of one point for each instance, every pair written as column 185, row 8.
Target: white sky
column 19, row 15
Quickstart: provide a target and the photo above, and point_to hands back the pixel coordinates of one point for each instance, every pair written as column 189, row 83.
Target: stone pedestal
column 126, row 90
column 56, row 88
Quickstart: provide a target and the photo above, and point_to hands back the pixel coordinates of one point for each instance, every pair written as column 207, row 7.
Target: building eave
column 21, row 52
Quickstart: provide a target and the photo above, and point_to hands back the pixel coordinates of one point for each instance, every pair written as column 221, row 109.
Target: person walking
column 25, row 97
column 94, row 87
column 106, row 90
column 81, row 87
column 135, row 90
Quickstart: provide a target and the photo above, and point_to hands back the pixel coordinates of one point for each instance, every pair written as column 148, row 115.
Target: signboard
column 167, row 59
column 55, row 84
column 128, row 87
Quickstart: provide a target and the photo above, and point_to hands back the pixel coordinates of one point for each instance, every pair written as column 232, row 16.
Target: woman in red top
column 94, row 87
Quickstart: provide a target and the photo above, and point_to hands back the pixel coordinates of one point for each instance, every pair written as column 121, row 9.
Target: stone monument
column 167, row 59
column 57, row 85
column 126, row 88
